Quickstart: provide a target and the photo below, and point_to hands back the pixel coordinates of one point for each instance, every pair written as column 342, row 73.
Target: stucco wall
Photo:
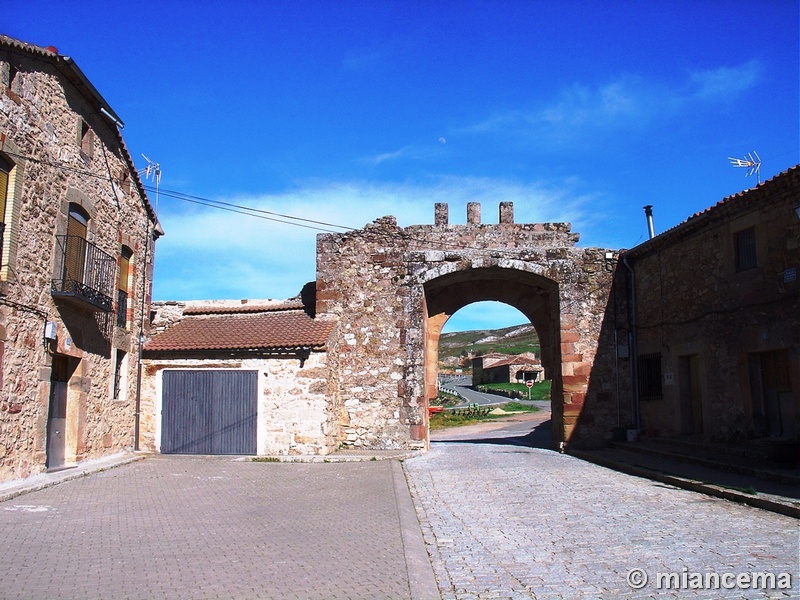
column 293, row 416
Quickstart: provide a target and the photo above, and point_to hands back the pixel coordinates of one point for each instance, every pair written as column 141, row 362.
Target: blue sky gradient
column 343, row 112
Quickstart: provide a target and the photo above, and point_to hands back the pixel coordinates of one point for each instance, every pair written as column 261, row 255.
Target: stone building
column 506, row 368
column 76, row 250
column 714, row 308
column 237, row 377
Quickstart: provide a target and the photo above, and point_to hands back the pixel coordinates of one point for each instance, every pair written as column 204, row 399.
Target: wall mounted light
column 50, row 331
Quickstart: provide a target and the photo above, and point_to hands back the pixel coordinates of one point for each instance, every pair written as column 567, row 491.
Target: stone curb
column 772, row 504
column 421, row 579
column 40, row 481
column 336, row 457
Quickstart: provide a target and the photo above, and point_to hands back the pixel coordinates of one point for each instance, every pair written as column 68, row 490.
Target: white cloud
column 725, row 82
column 627, row 103
column 208, row 253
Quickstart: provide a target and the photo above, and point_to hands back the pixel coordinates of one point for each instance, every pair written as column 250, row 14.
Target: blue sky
column 343, row 112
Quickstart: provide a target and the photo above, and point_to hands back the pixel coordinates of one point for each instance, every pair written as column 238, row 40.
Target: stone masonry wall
column 42, row 118
column 693, row 302
column 382, row 281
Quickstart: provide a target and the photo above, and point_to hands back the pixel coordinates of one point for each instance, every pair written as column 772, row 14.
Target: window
column 120, row 375
column 87, row 140
column 123, row 285
column 650, row 377
column 745, row 249
column 5, row 175
column 75, row 254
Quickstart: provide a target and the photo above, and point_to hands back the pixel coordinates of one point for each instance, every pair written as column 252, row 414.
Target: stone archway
column 534, row 296
column 391, row 290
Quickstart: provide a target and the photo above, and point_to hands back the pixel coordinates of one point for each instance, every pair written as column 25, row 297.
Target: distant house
column 238, row 377
column 77, row 236
column 506, row 368
column 715, row 311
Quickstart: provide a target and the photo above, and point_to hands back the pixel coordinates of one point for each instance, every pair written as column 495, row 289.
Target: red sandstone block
column 584, row 368
column 418, row 432
column 569, row 335
column 571, row 358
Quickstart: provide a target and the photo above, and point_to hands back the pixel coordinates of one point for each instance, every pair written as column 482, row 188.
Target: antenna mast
column 752, row 162
column 152, row 171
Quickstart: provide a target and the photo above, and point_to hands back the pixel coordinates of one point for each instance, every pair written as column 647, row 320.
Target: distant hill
column 509, row 340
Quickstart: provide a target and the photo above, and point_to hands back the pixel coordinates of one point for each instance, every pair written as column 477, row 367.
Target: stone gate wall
column 374, row 280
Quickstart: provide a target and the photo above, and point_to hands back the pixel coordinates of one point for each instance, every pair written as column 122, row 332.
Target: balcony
column 86, row 274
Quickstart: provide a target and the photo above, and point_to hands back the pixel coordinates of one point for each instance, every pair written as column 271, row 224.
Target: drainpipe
column 138, row 403
column 635, row 416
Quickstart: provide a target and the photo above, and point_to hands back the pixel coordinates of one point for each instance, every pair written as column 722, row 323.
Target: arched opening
column 534, row 296
column 492, row 344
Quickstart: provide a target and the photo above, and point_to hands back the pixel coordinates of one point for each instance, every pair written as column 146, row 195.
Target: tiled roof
column 243, row 308
column 276, row 330
column 515, row 360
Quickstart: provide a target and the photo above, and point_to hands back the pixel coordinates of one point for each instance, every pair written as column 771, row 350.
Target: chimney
column 648, row 213
column 473, row 213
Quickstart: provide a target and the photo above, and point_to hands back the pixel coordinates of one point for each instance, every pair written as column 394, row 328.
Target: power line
column 249, row 210
column 286, row 219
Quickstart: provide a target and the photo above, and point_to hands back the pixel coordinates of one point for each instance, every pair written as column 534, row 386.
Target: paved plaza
column 492, row 513
column 503, row 519
column 213, row 527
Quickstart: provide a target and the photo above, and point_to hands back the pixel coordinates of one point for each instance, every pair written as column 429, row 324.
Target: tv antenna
column 752, row 162
column 152, row 171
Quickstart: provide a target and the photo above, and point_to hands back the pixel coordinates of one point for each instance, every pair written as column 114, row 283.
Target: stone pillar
column 507, row 213
column 473, row 213
column 441, row 214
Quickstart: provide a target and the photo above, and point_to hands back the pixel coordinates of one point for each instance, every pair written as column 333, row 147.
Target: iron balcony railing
column 122, row 308
column 85, row 273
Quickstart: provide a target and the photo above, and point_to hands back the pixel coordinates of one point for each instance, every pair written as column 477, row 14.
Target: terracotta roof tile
column 263, row 331
column 242, row 308
column 516, row 360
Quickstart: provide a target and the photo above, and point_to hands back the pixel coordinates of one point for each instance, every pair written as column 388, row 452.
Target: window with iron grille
column 650, row 377
column 745, row 248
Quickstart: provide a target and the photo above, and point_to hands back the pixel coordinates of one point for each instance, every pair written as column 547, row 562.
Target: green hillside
column 509, row 340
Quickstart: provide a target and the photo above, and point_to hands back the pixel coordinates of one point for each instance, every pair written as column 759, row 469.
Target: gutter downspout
column 635, row 416
column 138, row 403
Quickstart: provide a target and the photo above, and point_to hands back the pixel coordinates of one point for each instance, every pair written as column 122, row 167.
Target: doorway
column 774, row 412
column 691, row 398
column 57, row 414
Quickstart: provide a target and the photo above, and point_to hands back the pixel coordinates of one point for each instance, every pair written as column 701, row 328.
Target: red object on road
column 435, row 409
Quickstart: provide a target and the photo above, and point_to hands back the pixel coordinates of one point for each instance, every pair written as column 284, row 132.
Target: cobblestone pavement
column 212, row 527
column 502, row 519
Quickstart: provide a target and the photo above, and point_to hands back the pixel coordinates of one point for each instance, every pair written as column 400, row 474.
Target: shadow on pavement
column 540, row 436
